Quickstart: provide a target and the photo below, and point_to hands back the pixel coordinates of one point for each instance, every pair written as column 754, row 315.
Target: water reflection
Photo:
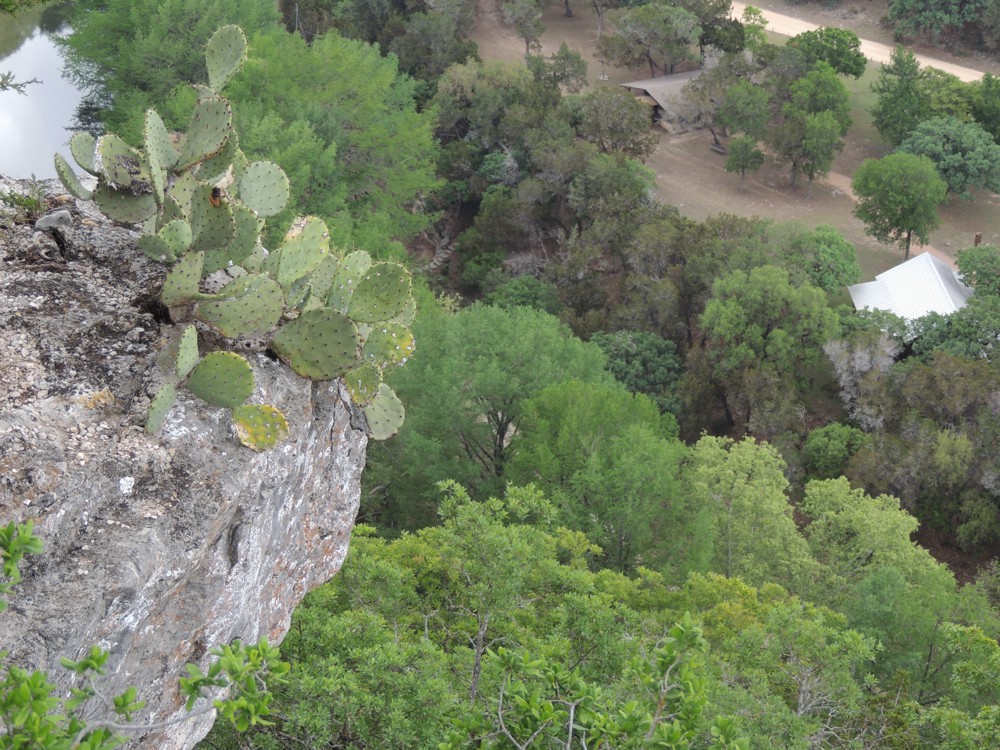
column 33, row 126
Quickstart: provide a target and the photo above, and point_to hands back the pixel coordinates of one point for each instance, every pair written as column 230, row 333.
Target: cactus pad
column 163, row 401
column 181, row 284
column 363, row 383
column 222, row 379
column 123, row 206
column 214, row 169
column 304, row 248
column 381, row 293
column 212, row 223
column 160, row 152
column 263, row 187
column 122, row 165
column 187, row 352
column 385, row 414
column 245, row 238
column 155, row 247
column 70, row 180
column 352, row 267
column 225, row 54
column 388, row 344
column 320, row 344
column 83, row 147
column 249, row 304
column 260, row 426
column 182, row 190
column 409, row 313
column 210, row 126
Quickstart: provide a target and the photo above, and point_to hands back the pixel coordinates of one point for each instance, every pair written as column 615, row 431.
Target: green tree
column 746, row 109
column 828, row 449
column 932, row 17
column 980, row 268
column 829, row 261
column 614, row 121
column 464, row 392
column 902, row 101
column 898, row 197
column 658, row 35
column 963, row 153
column 644, row 362
column 839, row 48
column 986, row 105
column 565, row 69
column 525, row 291
column 743, row 157
column 128, row 56
column 526, row 18
column 430, row 43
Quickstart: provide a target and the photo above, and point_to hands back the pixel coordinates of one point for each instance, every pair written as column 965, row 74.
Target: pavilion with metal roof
column 921, row 285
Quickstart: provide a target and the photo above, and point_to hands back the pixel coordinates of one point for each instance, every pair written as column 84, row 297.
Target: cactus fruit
column 263, row 187
column 260, row 426
column 225, row 54
column 385, row 414
column 320, row 344
column 163, row 401
column 211, row 124
column 363, row 383
column 352, row 267
column 70, row 180
column 249, row 304
column 123, row 206
column 388, row 344
column 187, row 352
column 181, row 284
column 222, row 379
column 381, row 293
column 83, row 147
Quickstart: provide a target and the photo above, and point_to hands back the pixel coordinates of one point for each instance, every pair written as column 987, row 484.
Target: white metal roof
column 921, row 285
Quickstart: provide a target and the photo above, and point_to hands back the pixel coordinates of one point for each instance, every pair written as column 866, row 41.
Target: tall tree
column 964, row 154
column 744, row 157
column 980, row 268
column 614, row 121
column 839, row 48
column 902, row 102
column 898, row 198
column 658, row 35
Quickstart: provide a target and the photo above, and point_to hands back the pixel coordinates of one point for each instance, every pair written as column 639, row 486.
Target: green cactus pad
column 381, row 293
column 123, row 206
column 263, row 187
column 321, row 280
column 388, row 344
column 170, row 211
column 177, row 234
column 187, row 352
column 70, row 180
column 210, row 126
column 163, row 402
column 255, row 261
column 83, row 147
column 240, row 164
column 320, row 344
column 222, row 379
column 363, row 383
column 303, row 250
column 122, row 165
column 353, row 267
column 182, row 191
column 385, row 414
column 181, row 284
column 247, row 234
column 160, row 152
column 409, row 313
column 212, row 223
column 249, row 304
column 260, row 426
column 225, row 54
column 155, row 247
column 214, row 169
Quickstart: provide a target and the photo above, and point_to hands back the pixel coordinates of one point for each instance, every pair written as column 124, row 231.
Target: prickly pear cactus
column 201, row 205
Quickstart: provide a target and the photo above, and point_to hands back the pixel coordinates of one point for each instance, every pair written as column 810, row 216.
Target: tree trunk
column 569, row 11
column 906, row 251
column 477, row 665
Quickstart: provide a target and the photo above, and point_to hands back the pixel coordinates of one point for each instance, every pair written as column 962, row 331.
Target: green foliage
column 980, row 269
column 902, row 102
column 644, row 363
column 744, row 157
column 839, row 48
column 30, row 205
column 656, row 34
column 829, row 261
column 745, row 109
column 898, row 197
column 963, row 153
column 614, row 121
column 525, row 291
column 828, row 449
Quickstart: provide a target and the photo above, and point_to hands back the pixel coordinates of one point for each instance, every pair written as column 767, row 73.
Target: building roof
column 661, row 89
column 912, row 289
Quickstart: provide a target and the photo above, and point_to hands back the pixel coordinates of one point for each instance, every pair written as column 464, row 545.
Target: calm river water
column 35, row 125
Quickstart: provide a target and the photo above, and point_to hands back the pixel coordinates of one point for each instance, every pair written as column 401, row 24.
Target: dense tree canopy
column 964, row 154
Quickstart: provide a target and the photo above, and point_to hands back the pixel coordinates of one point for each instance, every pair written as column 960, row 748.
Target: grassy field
column 691, row 176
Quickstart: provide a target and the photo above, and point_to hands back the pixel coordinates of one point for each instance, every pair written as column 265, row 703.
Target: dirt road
column 874, row 51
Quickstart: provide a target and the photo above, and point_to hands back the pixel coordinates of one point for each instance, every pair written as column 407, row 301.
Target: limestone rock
column 157, row 548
